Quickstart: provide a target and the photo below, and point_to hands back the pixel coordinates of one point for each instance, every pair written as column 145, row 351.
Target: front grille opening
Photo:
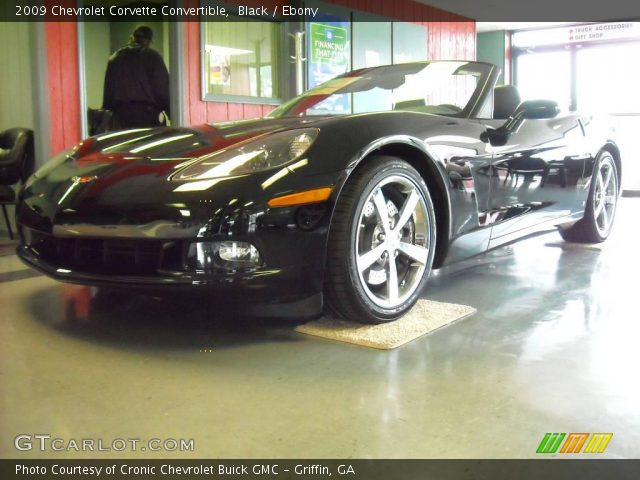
column 112, row 256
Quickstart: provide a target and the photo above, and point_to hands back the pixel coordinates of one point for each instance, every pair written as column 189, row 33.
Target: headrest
column 506, row 99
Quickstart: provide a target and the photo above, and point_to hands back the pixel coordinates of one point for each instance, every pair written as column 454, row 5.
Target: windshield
column 443, row 88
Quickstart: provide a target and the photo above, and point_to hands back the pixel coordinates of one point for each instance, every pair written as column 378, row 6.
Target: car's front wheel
column 381, row 242
column 600, row 209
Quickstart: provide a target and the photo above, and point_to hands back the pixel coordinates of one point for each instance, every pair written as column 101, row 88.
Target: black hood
column 185, row 143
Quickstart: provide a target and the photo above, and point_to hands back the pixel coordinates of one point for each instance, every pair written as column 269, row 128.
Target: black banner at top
column 308, row 10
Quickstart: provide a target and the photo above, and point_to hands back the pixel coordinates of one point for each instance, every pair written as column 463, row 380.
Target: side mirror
column 537, row 110
column 527, row 110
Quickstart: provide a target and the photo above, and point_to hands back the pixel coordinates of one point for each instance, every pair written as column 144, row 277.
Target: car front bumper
column 284, row 293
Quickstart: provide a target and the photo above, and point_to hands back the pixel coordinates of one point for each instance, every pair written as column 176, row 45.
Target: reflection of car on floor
column 315, row 208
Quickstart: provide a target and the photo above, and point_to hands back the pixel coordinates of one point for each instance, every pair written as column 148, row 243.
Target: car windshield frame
column 366, row 79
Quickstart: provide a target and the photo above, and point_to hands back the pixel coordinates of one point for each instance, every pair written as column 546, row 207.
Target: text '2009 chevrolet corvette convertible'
column 345, row 197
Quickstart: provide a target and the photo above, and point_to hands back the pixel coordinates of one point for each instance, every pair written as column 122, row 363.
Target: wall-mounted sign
column 577, row 34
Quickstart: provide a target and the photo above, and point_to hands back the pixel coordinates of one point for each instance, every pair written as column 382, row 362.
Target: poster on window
column 219, row 71
column 329, row 51
column 329, row 55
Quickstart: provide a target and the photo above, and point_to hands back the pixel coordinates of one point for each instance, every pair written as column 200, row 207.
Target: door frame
column 176, row 74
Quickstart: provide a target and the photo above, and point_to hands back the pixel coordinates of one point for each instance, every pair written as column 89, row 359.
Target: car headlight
column 268, row 151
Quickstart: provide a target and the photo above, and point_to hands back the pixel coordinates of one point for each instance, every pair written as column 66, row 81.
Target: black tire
column 347, row 292
column 590, row 229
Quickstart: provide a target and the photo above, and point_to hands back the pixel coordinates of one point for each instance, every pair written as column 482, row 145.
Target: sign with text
column 577, row 34
column 329, row 49
column 329, row 44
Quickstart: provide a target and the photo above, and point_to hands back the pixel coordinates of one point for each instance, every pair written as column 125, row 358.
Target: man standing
column 136, row 85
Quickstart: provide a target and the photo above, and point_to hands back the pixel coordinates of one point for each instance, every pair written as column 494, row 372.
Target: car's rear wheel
column 600, row 210
column 381, row 242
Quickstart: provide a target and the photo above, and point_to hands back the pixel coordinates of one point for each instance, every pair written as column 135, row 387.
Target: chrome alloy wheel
column 605, row 196
column 392, row 241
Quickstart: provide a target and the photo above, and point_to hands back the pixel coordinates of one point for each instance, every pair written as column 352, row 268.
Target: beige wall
column 16, row 95
column 97, row 37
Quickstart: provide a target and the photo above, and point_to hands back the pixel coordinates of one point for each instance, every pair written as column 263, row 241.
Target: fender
column 432, row 163
column 613, row 148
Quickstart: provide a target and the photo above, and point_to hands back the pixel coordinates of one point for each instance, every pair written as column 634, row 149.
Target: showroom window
column 371, row 42
column 546, row 75
column 336, row 45
column 409, row 42
column 594, row 91
column 588, row 67
column 242, row 61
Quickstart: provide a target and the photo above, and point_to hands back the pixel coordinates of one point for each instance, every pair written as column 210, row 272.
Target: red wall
column 449, row 37
column 63, row 84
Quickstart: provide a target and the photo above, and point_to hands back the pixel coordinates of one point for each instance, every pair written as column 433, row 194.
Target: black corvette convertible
column 344, row 198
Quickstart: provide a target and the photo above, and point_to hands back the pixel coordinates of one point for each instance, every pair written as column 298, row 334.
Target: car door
column 535, row 175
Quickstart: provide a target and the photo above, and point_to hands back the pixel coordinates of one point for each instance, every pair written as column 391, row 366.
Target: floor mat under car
column 425, row 317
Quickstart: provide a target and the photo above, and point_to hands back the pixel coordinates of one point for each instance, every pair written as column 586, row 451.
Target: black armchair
column 16, row 165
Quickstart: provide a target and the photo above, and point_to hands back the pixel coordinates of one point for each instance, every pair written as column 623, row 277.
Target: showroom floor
column 553, row 348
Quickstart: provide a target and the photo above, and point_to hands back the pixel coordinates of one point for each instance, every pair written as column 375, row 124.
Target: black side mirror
column 537, row 109
column 527, row 110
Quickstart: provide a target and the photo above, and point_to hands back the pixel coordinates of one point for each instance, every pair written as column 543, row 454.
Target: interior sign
column 594, row 32
column 328, row 44
column 603, row 31
column 329, row 54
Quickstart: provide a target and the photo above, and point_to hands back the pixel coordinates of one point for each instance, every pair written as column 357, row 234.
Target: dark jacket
column 136, row 74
